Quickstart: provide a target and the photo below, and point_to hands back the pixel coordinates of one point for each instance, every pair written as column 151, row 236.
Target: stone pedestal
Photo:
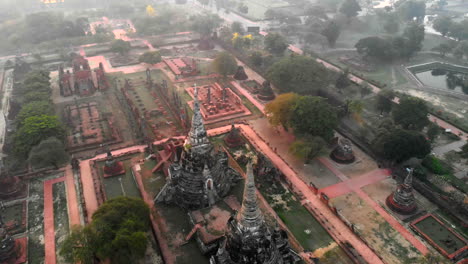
column 233, row 138
column 266, row 92
column 113, row 167
column 343, row 152
column 402, row 200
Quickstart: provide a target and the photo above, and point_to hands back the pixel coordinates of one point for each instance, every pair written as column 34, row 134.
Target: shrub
column 436, row 165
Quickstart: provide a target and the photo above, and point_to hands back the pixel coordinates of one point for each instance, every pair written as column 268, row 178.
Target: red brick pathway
column 49, row 228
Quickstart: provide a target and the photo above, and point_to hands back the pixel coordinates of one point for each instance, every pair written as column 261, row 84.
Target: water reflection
column 445, row 79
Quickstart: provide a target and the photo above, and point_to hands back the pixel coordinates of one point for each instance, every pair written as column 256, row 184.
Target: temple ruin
column 82, row 80
column 402, row 200
column 343, row 151
column 201, row 175
column 249, row 239
column 218, row 103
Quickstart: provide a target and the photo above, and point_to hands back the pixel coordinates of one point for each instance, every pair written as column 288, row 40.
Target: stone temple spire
column 248, row 239
column 250, row 217
column 402, row 199
column 197, row 134
column 409, row 178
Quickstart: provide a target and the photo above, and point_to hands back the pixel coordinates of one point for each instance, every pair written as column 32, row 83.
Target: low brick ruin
column 89, row 128
column 82, row 80
column 218, row 103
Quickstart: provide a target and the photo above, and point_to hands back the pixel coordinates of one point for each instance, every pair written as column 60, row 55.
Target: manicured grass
column 121, row 185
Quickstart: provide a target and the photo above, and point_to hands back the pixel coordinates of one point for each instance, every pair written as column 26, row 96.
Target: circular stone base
column 404, row 210
column 342, row 160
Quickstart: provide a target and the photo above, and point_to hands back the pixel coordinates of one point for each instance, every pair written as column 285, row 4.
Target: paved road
column 441, row 150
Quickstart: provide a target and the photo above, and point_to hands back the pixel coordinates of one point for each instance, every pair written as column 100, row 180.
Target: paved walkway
column 49, row 227
column 349, row 185
column 72, row 201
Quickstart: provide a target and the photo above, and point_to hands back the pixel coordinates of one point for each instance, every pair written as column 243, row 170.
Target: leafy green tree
column 117, row 233
column 36, row 76
column 36, row 108
column 384, row 100
column 464, row 151
column 307, row 148
column 391, row 24
column 36, row 96
column 354, row 107
column 399, row 145
column 414, row 33
column 256, row 58
column 312, row 115
column 331, row 31
column 120, row 46
column 279, row 111
column 237, row 27
column 150, row 57
column 412, row 9
column 442, row 25
column 411, row 113
column 350, row 8
column 78, row 247
column 343, row 81
column 276, row 43
column 298, row 74
column 375, row 47
column 206, row 23
column 121, row 225
column 433, row 131
column 34, row 130
column 224, row 64
column 50, row 152
column 365, row 89
column 442, row 48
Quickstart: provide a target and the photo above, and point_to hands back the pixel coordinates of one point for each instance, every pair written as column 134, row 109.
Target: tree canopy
column 399, row 145
column 279, row 111
column 350, row 8
column 442, row 24
column 150, row 57
column 384, row 100
column 307, row 148
column 35, row 129
column 50, row 152
column 312, row 115
column 35, row 108
column 331, row 31
column 411, row 113
column 412, row 9
column 276, row 43
column 299, row 74
column 117, row 233
column 224, row 64
column 206, row 23
column 120, row 46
